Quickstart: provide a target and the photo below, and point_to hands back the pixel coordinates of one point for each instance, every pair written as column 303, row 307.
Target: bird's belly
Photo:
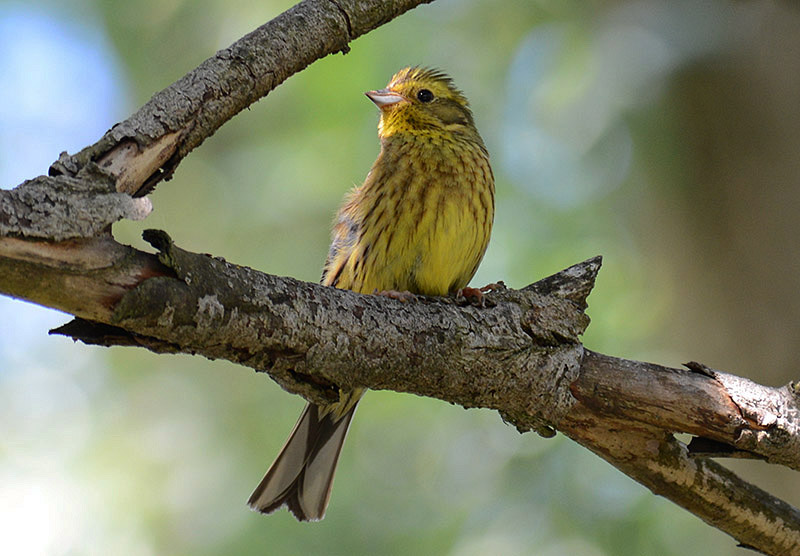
column 447, row 254
column 443, row 251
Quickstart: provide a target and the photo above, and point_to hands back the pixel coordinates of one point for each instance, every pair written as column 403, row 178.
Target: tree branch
column 148, row 146
column 618, row 419
column 313, row 339
column 134, row 155
column 521, row 355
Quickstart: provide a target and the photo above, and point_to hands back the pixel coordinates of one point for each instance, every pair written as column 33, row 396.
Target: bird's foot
column 404, row 296
column 474, row 296
column 494, row 287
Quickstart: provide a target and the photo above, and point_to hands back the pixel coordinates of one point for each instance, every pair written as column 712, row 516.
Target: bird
column 419, row 224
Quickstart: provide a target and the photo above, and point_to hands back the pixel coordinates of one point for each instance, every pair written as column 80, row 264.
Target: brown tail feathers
column 302, row 475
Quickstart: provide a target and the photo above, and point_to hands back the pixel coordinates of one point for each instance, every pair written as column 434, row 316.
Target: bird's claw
column 493, row 287
column 404, row 296
column 474, row 296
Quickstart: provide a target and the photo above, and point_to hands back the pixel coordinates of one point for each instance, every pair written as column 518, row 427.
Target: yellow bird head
column 422, row 101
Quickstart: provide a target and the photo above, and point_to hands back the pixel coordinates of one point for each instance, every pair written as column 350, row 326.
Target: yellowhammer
column 420, row 223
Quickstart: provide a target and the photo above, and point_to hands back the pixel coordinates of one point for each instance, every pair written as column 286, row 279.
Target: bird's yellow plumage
column 420, row 223
column 421, row 220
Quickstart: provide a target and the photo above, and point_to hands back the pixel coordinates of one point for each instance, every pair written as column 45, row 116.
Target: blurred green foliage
column 660, row 135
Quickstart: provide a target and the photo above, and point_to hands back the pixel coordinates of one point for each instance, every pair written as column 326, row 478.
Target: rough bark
column 520, row 354
column 313, row 339
column 148, row 146
column 627, row 412
column 135, row 155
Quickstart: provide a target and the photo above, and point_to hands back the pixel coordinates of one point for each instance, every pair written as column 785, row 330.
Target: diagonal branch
column 520, row 356
column 313, row 339
column 627, row 412
column 135, row 155
column 148, row 146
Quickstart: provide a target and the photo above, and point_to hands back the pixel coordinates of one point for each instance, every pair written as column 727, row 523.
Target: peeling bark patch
column 132, row 165
column 209, row 311
column 165, row 318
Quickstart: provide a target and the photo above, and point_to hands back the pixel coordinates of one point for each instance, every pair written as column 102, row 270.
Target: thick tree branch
column 312, row 339
column 520, row 356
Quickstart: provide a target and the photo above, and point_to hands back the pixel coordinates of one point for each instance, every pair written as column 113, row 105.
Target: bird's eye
column 424, row 95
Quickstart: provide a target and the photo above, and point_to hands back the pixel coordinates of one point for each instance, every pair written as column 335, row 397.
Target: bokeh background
column 662, row 135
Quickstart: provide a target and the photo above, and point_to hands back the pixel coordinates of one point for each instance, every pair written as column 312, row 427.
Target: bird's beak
column 384, row 97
